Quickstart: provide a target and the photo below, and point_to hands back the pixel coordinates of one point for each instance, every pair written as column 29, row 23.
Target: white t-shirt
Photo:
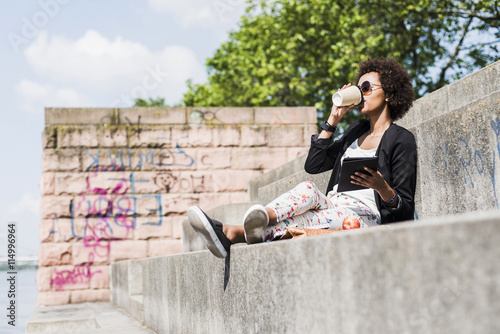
column 367, row 196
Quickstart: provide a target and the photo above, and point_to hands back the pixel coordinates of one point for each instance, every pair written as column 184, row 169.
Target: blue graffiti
column 442, row 154
column 166, row 157
column 465, row 164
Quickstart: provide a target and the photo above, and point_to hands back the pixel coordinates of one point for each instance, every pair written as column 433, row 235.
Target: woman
column 389, row 193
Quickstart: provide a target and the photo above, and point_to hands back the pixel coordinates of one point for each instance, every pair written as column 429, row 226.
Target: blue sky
column 59, row 53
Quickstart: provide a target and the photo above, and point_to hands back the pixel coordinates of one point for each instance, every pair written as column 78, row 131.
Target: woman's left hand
column 373, row 179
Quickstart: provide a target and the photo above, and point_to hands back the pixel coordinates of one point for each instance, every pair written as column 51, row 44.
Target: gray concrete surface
column 83, row 318
column 458, row 159
column 287, row 169
column 271, row 191
column 462, row 92
column 126, row 287
column 231, row 213
column 438, row 275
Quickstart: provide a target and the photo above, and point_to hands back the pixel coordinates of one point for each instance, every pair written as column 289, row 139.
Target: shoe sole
column 205, row 230
column 254, row 224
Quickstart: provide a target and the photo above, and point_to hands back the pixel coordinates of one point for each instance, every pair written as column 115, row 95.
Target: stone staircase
column 437, row 275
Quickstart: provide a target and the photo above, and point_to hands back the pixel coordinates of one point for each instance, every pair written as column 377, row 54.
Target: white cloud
column 29, row 203
column 206, row 13
column 117, row 67
column 36, row 96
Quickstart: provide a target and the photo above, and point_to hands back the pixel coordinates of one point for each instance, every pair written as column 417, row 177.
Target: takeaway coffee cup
column 348, row 96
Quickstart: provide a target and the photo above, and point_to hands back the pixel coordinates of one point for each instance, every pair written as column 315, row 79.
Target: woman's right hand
column 338, row 112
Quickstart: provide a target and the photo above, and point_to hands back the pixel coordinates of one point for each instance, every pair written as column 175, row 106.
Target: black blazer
column 397, row 162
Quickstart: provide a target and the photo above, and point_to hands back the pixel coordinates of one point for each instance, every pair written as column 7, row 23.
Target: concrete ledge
column 288, row 169
column 138, row 116
column 460, row 93
column 83, row 318
column 231, row 214
column 437, row 275
column 126, row 287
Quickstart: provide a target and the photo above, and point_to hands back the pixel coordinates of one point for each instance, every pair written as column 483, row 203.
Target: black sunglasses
column 366, row 87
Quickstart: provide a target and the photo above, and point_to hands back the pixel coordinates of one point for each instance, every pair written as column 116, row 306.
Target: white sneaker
column 255, row 222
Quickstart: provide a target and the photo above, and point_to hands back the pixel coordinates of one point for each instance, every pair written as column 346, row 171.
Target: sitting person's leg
column 301, row 199
column 340, row 207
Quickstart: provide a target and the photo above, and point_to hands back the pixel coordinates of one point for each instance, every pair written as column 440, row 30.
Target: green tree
column 299, row 52
column 158, row 102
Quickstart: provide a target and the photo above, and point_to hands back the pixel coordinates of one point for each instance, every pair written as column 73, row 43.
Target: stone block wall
column 116, row 182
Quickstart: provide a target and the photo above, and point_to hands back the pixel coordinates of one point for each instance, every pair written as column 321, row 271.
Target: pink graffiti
column 110, row 208
column 79, row 274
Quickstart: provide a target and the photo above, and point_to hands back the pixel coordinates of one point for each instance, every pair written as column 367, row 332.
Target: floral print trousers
column 305, row 206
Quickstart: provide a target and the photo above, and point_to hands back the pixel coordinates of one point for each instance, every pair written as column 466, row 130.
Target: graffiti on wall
column 457, row 159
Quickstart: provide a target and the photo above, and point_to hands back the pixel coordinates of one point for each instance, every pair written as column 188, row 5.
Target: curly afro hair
column 395, row 81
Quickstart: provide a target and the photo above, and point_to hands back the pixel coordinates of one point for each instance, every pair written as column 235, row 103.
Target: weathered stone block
column 118, row 208
column 309, row 130
column 226, row 136
column 154, row 137
column 109, row 184
column 112, row 137
column 226, row 115
column 54, row 254
column 285, row 136
column 215, row 158
column 232, row 180
column 152, row 115
column 193, row 137
column 145, row 229
column 195, row 182
column 258, row 157
column 177, row 226
column 82, row 296
column 253, row 135
column 80, row 116
column 70, row 277
column 164, row 247
column 77, row 136
column 47, row 184
column 44, row 278
column 61, row 160
column 91, row 251
column 61, row 229
column 125, row 249
column 46, row 230
column 163, row 159
column 100, row 277
column 109, row 159
column 209, row 201
column 51, row 298
column 70, row 183
column 49, row 138
column 285, row 115
column 178, row 203
column 55, row 206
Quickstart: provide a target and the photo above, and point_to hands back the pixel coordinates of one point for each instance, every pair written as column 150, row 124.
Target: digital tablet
column 349, row 167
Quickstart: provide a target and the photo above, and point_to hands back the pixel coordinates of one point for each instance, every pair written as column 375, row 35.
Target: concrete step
column 272, row 190
column 438, row 275
column 287, row 169
column 126, row 287
column 83, row 318
column 231, row 213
